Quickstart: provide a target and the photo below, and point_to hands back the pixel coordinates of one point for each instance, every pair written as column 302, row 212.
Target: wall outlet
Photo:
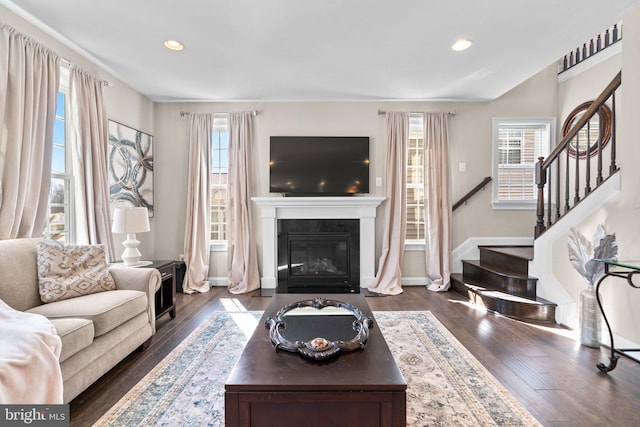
column 181, row 257
column 379, row 181
column 462, row 167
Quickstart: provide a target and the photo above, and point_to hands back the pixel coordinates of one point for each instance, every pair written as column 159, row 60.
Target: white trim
column 549, row 287
column 415, row 245
column 468, row 250
column 219, row 246
column 621, row 342
column 220, row 126
column 514, row 205
column 546, row 121
column 415, row 281
column 360, row 207
column 64, row 79
column 591, row 62
column 218, row 281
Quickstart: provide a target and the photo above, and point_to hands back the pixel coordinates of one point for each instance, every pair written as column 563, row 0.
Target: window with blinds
column 517, row 145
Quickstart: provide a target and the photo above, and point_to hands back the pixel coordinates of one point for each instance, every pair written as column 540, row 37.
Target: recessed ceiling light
column 461, row 44
column 173, row 45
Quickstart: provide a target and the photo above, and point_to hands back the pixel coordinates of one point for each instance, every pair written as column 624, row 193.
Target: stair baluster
column 570, row 147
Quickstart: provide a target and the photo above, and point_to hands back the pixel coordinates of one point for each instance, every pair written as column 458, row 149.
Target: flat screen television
column 319, row 165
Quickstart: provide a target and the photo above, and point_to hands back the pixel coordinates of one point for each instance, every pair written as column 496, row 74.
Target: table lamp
column 129, row 221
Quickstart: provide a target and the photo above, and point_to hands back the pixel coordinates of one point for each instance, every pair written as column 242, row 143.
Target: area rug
column 446, row 385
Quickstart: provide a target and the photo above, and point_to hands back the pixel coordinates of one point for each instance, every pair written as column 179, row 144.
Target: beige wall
column 470, row 142
column 582, row 87
column 620, row 214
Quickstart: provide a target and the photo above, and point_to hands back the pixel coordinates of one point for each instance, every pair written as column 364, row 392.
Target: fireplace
column 318, row 255
column 360, row 208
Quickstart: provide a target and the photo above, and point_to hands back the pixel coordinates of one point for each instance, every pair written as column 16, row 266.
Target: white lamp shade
column 128, row 220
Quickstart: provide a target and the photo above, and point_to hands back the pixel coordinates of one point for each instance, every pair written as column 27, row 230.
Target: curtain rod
column 382, row 113
column 68, row 64
column 65, row 61
column 184, row 113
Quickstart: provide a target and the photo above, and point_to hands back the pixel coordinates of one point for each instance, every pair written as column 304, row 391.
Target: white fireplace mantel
column 357, row 207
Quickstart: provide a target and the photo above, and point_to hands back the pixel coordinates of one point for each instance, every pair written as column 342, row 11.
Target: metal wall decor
column 599, row 124
column 130, row 167
column 319, row 348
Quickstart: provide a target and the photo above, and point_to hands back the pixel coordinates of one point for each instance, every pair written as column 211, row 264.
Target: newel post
column 541, row 181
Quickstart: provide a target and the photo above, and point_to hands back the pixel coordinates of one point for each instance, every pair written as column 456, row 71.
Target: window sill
column 414, row 245
column 514, row 206
column 218, row 247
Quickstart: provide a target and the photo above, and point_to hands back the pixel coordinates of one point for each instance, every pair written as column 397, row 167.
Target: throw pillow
column 69, row 271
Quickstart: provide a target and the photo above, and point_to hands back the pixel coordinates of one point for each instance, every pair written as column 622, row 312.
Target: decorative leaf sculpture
column 580, row 251
column 583, row 253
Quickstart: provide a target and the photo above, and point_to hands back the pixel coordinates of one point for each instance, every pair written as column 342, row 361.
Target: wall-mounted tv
column 319, row 165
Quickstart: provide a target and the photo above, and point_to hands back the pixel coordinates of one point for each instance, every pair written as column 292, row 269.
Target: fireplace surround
column 274, row 208
column 318, row 255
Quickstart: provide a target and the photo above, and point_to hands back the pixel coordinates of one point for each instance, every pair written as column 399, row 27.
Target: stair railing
column 567, row 156
column 463, row 199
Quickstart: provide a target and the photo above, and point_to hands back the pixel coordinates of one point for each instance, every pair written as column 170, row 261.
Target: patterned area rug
column 447, row 386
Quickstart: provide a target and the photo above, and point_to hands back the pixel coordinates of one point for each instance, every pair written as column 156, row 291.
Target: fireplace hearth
column 318, row 255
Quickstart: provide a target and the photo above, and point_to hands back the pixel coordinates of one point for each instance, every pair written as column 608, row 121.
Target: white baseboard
column 621, row 342
column 218, row 281
column 414, row 281
column 469, row 250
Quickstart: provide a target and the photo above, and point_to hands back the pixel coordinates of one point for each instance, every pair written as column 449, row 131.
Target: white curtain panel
column 243, row 258
column 437, row 201
column 197, row 233
column 89, row 145
column 388, row 280
column 29, row 79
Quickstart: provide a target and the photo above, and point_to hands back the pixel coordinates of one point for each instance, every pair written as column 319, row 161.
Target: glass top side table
column 625, row 270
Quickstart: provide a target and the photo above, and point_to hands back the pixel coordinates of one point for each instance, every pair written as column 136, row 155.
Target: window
column 517, row 145
column 59, row 222
column 415, row 180
column 219, row 182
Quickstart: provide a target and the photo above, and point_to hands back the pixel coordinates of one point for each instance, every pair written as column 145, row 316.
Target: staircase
column 566, row 180
column 500, row 282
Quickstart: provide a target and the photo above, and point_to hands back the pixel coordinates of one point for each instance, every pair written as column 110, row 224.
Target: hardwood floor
column 551, row 374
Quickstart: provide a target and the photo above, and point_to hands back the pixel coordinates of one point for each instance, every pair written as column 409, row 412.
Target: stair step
column 513, row 259
column 526, row 309
column 490, row 277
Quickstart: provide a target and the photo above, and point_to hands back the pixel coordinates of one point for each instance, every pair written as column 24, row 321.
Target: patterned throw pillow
column 70, row 271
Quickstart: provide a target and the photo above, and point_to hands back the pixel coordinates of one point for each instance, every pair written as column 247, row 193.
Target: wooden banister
column 470, row 194
column 583, row 119
column 572, row 186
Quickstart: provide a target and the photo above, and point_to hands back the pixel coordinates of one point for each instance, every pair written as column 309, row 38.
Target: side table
column 624, row 271
column 166, row 294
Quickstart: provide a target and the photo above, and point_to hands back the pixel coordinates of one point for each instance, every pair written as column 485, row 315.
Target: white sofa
column 97, row 330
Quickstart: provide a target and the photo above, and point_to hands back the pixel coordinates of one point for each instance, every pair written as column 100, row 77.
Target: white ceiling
column 322, row 50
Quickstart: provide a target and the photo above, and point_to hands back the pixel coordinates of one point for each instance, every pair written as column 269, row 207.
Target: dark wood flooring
column 551, row 374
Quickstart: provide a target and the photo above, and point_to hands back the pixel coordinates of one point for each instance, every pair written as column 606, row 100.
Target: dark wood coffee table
column 277, row 388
